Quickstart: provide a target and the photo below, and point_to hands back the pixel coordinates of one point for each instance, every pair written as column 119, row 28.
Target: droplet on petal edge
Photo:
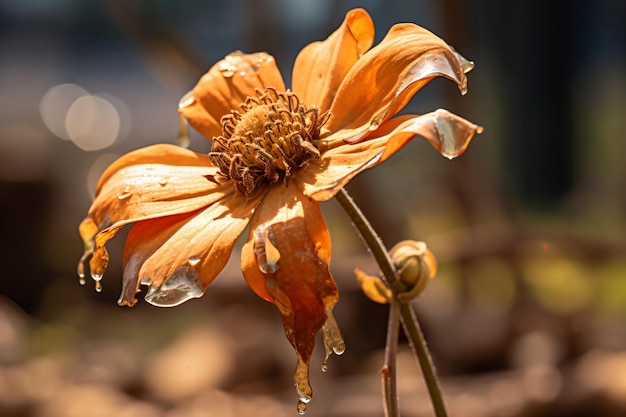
column 466, row 65
column 227, row 68
column 452, row 134
column 301, row 407
column 193, row 260
column 187, row 100
column 301, row 381
column 333, row 341
column 184, row 284
column 266, row 253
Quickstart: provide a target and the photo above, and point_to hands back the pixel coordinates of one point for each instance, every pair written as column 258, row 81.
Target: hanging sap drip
column 333, row 341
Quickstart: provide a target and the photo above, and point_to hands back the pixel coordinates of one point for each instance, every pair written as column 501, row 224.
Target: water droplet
column 301, row 381
column 193, row 260
column 163, row 181
column 324, row 367
column 124, row 194
column 466, row 65
column 374, row 124
column 463, row 86
column 301, row 407
column 267, row 254
column 256, row 66
column 452, row 134
column 227, row 68
column 81, row 272
column 333, row 341
column 98, row 286
column 182, row 285
column 187, row 100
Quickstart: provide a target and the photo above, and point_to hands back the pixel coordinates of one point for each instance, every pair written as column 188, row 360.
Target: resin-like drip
column 184, row 284
column 303, row 387
column 453, row 133
column 333, row 341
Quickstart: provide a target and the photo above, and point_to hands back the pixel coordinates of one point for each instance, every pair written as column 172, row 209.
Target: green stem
column 409, row 320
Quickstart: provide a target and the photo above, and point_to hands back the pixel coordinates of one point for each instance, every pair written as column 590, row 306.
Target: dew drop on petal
column 193, row 260
column 184, row 284
column 227, row 68
column 163, row 181
column 98, row 286
column 125, row 194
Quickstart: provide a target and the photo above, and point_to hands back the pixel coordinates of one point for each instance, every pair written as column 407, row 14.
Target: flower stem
column 409, row 320
column 388, row 372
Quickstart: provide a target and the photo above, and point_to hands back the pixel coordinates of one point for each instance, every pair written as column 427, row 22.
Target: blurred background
column 526, row 316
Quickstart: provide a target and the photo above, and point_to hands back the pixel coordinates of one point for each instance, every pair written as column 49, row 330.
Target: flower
column 276, row 154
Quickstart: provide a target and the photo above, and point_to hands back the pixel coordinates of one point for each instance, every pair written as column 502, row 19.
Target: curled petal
column 373, row 287
column 321, row 66
column 386, row 78
column 225, row 86
column 448, row 133
column 179, row 256
column 298, row 282
column 155, row 181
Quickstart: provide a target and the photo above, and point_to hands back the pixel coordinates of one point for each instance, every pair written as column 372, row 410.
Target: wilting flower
column 276, row 154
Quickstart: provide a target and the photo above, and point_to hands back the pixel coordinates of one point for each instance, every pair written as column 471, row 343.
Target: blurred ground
column 526, row 316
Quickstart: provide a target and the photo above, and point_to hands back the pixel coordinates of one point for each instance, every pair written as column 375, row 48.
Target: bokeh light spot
column 92, row 123
column 55, row 104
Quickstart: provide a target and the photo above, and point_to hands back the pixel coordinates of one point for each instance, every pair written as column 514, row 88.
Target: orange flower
column 276, row 154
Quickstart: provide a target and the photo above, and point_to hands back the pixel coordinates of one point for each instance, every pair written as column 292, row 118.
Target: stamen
column 267, row 141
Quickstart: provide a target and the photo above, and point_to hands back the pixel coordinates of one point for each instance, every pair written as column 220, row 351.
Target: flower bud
column 415, row 264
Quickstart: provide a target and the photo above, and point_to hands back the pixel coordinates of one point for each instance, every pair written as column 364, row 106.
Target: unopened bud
column 415, row 264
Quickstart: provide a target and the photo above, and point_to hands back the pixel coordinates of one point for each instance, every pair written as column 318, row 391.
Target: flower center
column 268, row 140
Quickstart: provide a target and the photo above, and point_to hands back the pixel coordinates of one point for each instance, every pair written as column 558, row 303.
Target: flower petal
column 386, row 78
column 225, row 86
column 179, row 256
column 155, row 181
column 298, row 282
column 447, row 132
column 321, row 66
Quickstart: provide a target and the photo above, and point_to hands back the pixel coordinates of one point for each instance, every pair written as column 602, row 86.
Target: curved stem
column 409, row 320
column 388, row 372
